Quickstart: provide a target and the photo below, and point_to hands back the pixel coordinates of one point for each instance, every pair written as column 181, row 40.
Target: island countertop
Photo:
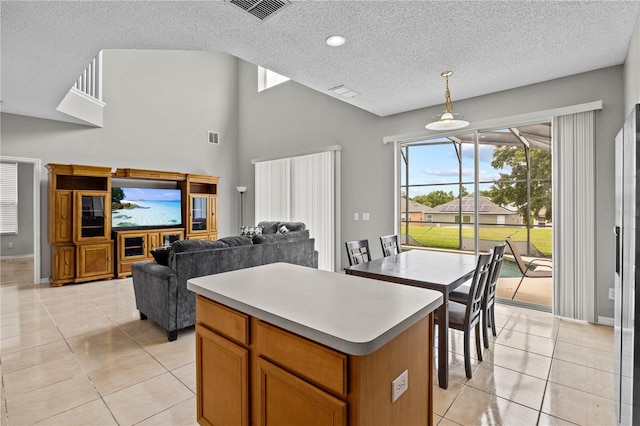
column 350, row 314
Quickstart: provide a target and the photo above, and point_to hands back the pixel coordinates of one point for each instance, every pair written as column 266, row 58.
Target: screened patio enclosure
column 470, row 191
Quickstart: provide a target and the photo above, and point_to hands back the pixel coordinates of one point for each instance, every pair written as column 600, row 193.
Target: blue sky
column 430, row 164
column 151, row 194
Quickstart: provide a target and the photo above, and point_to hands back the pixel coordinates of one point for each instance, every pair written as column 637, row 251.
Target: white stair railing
column 90, row 81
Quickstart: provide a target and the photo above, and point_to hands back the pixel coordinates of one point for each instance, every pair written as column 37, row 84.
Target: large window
column 8, row 198
column 496, row 183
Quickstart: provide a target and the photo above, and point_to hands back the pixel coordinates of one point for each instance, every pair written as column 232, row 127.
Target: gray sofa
column 161, row 290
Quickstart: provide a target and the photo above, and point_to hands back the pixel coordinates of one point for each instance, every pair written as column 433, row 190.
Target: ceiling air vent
column 261, row 9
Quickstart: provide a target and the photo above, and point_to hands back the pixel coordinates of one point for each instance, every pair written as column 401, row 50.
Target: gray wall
column 291, row 118
column 160, row 106
column 23, row 241
column 632, row 70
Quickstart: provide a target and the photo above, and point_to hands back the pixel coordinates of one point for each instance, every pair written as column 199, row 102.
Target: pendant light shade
column 448, row 120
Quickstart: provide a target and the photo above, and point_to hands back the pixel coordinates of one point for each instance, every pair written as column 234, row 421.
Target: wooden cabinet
column 201, row 208
column 63, row 225
column 79, row 221
column 63, row 263
column 136, row 246
column 95, row 261
column 92, row 216
column 251, row 372
column 285, row 399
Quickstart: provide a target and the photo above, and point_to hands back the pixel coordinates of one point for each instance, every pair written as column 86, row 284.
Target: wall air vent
column 261, row 9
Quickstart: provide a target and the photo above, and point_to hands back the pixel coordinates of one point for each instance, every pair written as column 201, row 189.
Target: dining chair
column 489, row 300
column 461, row 294
column 468, row 316
column 358, row 252
column 527, row 270
column 390, row 245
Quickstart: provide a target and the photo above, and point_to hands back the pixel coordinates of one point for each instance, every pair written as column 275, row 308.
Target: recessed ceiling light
column 335, row 40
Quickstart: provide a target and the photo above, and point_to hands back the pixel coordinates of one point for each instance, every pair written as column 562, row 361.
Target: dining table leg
column 443, row 345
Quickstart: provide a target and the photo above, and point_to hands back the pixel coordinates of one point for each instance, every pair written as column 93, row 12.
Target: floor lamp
column 241, row 190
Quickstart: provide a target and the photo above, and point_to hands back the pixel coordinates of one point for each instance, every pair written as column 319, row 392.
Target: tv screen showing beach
column 145, row 207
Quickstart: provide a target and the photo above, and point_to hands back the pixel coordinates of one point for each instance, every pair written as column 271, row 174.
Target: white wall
column 291, row 118
column 160, row 106
column 632, row 70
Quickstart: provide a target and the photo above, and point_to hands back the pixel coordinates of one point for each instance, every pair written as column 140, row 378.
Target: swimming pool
column 510, row 269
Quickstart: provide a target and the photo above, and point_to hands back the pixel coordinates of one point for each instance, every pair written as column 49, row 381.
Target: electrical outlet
column 399, row 385
column 355, row 216
column 365, row 216
column 612, row 293
column 10, row 244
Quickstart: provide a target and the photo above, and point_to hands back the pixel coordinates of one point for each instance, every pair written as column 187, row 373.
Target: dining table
column 437, row 270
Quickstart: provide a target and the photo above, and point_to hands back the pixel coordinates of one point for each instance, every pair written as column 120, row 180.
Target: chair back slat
column 358, row 252
column 494, row 272
column 476, row 291
column 390, row 245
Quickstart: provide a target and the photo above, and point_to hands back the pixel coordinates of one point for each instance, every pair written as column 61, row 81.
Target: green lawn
column 447, row 237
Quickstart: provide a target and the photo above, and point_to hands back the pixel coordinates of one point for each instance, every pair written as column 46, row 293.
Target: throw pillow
column 293, row 226
column 161, row 255
column 283, row 230
column 268, row 227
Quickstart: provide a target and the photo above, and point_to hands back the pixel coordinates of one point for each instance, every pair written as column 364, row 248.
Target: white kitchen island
column 284, row 344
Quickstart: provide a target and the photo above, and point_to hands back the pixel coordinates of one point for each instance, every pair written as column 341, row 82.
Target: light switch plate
column 365, row 216
column 399, row 385
column 355, row 216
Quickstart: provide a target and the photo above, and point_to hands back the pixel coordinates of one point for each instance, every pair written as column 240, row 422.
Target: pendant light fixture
column 448, row 120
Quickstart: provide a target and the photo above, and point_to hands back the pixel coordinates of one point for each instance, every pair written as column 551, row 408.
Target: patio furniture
column 358, row 252
column 389, row 245
column 527, row 270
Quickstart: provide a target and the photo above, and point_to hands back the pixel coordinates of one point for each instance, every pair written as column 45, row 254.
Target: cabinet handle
column 64, row 216
column 66, row 262
column 108, row 259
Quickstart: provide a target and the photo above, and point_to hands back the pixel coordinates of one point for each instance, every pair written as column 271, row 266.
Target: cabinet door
column 288, row 400
column 95, row 259
column 63, row 265
column 153, row 242
column 63, row 219
column 169, row 237
column 198, row 221
column 132, row 246
column 222, row 377
column 213, row 213
column 92, row 216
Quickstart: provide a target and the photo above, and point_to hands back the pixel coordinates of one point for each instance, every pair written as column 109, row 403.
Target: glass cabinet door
column 91, row 218
column 199, row 213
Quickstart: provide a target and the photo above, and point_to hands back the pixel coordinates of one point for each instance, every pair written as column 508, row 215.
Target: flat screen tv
column 145, row 207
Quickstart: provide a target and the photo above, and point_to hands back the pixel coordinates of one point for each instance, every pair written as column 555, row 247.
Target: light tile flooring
column 79, row 354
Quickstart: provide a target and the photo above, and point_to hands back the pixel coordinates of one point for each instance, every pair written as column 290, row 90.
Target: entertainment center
column 101, row 222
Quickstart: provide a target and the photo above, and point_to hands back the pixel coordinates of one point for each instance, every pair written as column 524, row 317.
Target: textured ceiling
column 393, row 57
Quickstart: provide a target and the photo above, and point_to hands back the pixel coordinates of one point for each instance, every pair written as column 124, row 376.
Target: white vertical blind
column 301, row 189
column 273, row 182
column 312, row 201
column 574, row 216
column 8, row 198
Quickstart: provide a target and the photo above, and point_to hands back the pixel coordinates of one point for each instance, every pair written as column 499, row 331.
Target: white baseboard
column 605, row 321
column 19, row 256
